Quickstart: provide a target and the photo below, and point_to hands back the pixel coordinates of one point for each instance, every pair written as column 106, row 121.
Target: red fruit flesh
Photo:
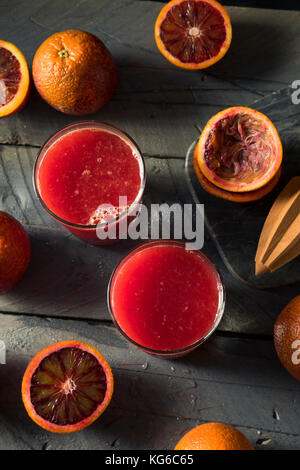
column 68, row 386
column 10, row 76
column 193, row 32
column 240, row 148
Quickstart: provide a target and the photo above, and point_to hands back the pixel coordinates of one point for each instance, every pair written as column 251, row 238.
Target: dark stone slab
column 236, row 227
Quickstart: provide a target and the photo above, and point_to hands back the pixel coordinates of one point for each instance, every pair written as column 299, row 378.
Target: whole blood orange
column 287, row 337
column 214, row 436
column 14, row 252
column 67, row 386
column 14, row 79
column 193, row 34
column 249, row 196
column 239, row 150
column 74, row 72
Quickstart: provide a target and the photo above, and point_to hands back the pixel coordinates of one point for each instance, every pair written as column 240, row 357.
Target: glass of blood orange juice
column 165, row 299
column 85, row 166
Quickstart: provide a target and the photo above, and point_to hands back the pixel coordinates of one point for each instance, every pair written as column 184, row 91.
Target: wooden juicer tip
column 279, row 241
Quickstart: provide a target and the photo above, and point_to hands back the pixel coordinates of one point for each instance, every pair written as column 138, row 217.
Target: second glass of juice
column 85, row 167
column 165, row 299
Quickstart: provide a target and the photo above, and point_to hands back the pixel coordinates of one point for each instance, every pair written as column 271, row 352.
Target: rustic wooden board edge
column 189, row 388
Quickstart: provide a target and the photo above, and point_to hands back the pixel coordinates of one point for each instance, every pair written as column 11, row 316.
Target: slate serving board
column 236, row 227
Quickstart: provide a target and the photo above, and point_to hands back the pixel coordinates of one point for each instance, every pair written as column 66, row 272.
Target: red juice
column 166, row 299
column 84, row 166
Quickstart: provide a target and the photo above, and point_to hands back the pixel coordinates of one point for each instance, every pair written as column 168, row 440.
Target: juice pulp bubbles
column 165, row 299
column 84, row 167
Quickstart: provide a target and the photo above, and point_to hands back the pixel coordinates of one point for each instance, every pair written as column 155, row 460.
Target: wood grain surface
column 235, row 377
column 234, row 380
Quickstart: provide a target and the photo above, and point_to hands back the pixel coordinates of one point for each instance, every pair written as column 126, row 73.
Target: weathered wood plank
column 150, row 120
column 153, row 97
column 278, row 4
column 236, row 381
column 68, row 278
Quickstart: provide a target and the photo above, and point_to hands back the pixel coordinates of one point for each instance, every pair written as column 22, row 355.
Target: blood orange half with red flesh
column 193, row 34
column 249, row 196
column 239, row 150
column 67, row 386
column 14, row 79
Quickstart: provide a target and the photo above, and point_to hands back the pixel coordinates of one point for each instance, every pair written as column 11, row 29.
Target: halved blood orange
column 67, row 386
column 193, row 34
column 239, row 150
column 14, row 79
column 248, row 196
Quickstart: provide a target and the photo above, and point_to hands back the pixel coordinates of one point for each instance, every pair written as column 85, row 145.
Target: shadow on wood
column 255, row 40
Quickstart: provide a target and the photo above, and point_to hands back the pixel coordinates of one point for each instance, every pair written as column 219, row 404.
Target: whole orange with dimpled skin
column 287, row 337
column 214, row 436
column 74, row 72
column 14, row 252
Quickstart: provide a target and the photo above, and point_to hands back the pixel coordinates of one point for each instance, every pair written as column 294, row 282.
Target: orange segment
column 67, row 386
column 14, row 79
column 239, row 150
column 193, row 34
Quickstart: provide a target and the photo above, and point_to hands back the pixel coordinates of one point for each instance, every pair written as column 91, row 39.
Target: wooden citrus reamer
column 279, row 241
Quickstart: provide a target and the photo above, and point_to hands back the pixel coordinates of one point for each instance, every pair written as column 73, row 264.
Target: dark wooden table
column 235, row 377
